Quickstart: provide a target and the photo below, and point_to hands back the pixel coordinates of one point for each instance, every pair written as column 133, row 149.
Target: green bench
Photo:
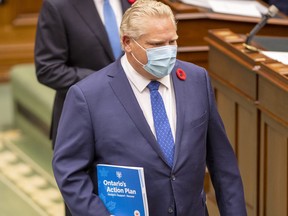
column 32, row 103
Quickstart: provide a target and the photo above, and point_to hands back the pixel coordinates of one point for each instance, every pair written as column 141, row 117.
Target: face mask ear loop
column 138, row 44
column 137, row 59
column 133, row 54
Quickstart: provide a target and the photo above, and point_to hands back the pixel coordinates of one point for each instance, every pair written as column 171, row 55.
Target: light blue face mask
column 161, row 60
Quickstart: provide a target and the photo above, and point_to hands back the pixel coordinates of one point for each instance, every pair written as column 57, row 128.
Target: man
column 110, row 118
column 71, row 43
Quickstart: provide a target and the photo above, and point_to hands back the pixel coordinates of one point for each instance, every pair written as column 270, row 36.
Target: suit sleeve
column 222, row 164
column 52, row 51
column 74, row 155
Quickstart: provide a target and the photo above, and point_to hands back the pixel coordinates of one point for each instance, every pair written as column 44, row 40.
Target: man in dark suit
column 71, row 43
column 110, row 118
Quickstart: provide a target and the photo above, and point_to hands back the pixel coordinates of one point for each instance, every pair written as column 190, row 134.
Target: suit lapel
column 180, row 98
column 125, row 94
column 87, row 10
column 125, row 5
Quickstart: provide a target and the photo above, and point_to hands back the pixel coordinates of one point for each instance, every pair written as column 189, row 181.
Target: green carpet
column 27, row 185
column 26, row 181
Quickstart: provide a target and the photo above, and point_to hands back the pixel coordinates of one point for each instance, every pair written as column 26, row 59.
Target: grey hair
column 133, row 21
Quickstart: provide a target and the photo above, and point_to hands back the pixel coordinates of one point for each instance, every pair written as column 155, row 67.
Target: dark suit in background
column 71, row 43
column 282, row 5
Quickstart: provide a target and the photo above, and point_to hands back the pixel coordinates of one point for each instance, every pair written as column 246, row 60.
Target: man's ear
column 126, row 41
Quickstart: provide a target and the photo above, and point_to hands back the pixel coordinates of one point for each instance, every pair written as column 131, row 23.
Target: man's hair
column 133, row 21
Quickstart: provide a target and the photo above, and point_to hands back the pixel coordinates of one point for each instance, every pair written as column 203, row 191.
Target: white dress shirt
column 116, row 6
column 142, row 93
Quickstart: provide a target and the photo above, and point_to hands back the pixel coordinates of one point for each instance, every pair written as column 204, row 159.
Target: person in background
column 72, row 42
column 282, row 5
column 148, row 110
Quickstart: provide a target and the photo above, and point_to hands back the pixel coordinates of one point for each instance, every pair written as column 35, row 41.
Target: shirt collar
column 137, row 79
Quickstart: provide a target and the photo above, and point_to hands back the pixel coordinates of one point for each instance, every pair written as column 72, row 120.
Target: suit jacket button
column 173, row 177
column 170, row 210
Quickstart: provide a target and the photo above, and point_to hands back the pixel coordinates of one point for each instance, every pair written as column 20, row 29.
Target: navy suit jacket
column 102, row 122
column 71, row 43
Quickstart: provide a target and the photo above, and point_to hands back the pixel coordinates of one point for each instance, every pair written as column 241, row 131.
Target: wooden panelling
column 274, row 166
column 240, row 118
column 12, row 9
column 268, row 100
column 18, row 21
column 197, row 56
column 252, row 98
column 241, row 78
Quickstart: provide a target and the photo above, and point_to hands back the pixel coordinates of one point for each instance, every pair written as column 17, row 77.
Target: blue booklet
column 122, row 190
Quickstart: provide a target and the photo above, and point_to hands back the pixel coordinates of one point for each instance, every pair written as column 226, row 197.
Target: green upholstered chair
column 32, row 102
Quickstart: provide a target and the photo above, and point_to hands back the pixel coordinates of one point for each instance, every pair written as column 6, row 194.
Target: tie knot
column 153, row 86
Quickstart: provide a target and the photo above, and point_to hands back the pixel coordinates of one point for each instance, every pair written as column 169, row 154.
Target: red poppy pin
column 131, row 1
column 181, row 74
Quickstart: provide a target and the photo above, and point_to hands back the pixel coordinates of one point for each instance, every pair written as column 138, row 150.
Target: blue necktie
column 112, row 29
column 161, row 123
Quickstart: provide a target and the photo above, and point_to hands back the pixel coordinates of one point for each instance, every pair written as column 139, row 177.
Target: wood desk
column 17, row 32
column 252, row 97
column 194, row 23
